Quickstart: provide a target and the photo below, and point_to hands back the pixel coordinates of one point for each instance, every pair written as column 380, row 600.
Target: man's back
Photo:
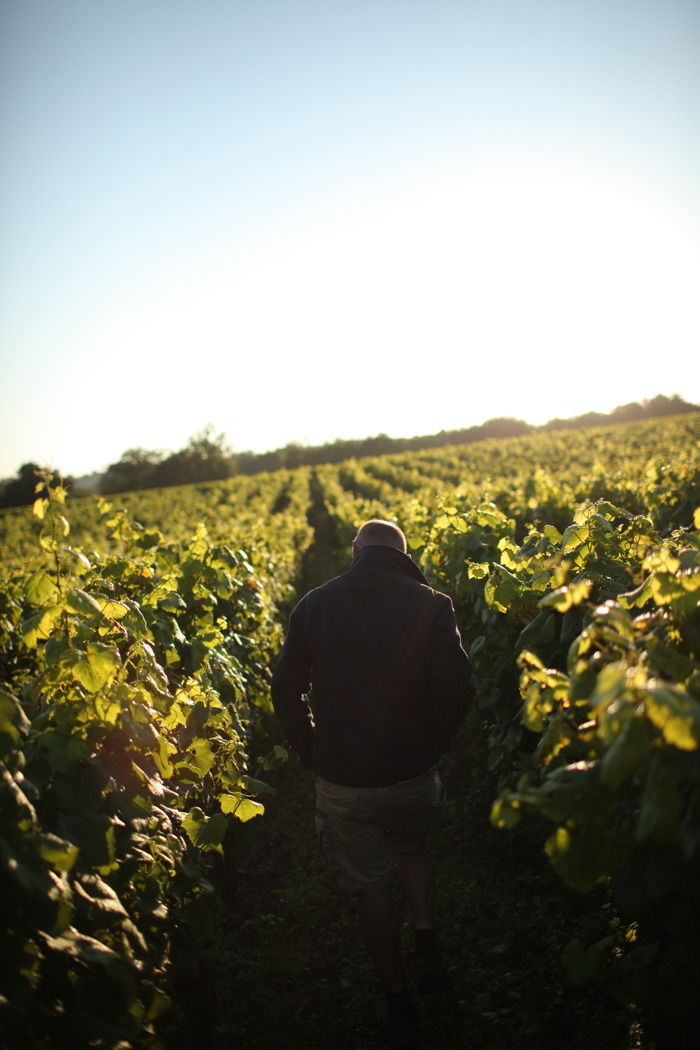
column 390, row 680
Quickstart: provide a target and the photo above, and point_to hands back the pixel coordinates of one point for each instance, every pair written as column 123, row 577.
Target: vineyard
column 155, row 834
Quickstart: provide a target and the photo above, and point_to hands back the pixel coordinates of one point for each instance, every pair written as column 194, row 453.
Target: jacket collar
column 386, row 558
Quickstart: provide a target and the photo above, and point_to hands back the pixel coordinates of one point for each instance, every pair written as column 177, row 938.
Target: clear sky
column 306, row 219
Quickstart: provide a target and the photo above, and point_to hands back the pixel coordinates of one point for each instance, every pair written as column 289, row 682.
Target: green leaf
column 506, row 811
column 81, row 558
column 161, row 756
column 86, row 949
column 574, row 536
column 172, row 603
column 610, row 685
column 248, row 809
column 39, row 508
column 584, row 857
column 107, row 710
column 94, row 667
column 628, row 750
column 40, row 626
column 114, row 610
column 204, row 757
column 552, row 533
column 98, row 902
column 675, row 713
column 205, row 832
column 502, row 589
column 94, row 834
column 57, row 852
column 40, row 588
column 539, row 631
column 662, row 807
column 32, row 881
column 63, row 754
column 570, row 791
column 81, row 603
column 477, row 570
column 257, row 787
column 13, row 721
column 638, row 597
column 681, row 591
column 241, row 807
column 563, row 598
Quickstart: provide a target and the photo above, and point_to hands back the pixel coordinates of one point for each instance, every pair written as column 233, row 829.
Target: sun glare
column 466, row 296
column 496, row 266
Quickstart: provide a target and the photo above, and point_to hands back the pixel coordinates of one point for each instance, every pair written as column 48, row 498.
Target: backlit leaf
column 40, row 587
column 114, row 610
column 675, row 713
column 81, row 603
column 563, row 598
column 58, row 852
column 205, row 832
column 94, row 667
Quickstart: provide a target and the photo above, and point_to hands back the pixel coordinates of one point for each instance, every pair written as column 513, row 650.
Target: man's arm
column 290, row 682
column 452, row 675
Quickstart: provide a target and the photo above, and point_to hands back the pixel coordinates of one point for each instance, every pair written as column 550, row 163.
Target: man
column 378, row 654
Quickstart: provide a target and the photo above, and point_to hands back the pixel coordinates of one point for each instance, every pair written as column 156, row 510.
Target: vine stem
column 47, row 477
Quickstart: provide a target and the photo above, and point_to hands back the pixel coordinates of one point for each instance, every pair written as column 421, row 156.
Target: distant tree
column 650, row 409
column 589, row 419
column 134, row 470
column 20, row 491
column 376, row 446
column 206, row 457
column 654, row 407
column 293, row 455
column 249, row 462
column 504, row 426
column 626, row 413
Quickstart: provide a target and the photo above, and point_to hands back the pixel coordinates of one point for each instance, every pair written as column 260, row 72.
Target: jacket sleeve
column 452, row 683
column 291, row 681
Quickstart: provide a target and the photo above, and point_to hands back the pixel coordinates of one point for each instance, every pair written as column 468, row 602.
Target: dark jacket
column 380, row 655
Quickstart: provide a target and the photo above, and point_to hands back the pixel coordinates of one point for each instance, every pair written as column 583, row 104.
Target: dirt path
column 290, row 970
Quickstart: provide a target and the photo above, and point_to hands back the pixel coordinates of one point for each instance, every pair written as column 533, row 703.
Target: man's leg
column 417, row 876
column 379, row 924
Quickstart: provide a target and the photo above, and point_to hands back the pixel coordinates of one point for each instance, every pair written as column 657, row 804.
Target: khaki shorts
column 360, row 829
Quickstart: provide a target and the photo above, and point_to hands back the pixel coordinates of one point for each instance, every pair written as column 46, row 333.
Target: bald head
column 379, row 533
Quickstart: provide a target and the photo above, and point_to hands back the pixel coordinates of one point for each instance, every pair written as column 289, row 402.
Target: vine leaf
column 94, row 667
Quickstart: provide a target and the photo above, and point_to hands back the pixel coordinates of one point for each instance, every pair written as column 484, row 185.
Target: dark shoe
column 431, row 973
column 399, row 1021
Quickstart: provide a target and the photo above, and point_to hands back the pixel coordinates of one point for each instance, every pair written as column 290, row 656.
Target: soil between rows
column 288, row 967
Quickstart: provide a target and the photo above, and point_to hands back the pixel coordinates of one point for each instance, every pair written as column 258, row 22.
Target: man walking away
column 371, row 684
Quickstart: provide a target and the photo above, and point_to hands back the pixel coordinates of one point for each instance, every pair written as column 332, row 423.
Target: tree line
column 207, row 456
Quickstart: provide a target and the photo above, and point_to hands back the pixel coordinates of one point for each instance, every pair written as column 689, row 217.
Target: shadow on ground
column 288, row 968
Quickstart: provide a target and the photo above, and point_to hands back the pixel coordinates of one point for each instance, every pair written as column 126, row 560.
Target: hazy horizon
column 359, row 437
